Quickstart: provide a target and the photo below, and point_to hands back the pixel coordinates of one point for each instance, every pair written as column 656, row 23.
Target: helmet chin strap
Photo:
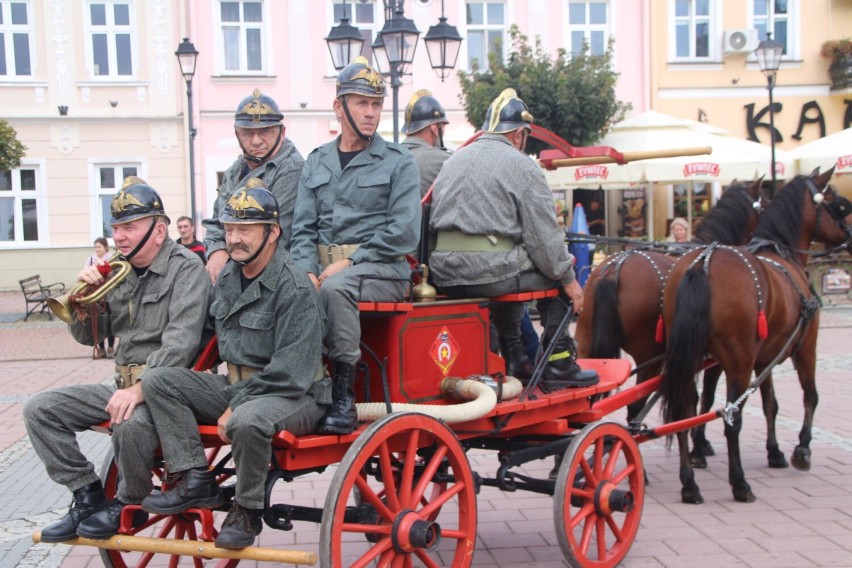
column 267, row 230
column 141, row 244
column 254, row 159
column 352, row 121
column 440, row 136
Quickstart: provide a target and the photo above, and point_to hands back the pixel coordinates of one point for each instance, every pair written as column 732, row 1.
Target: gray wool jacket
column 429, row 160
column 490, row 188
column 280, row 174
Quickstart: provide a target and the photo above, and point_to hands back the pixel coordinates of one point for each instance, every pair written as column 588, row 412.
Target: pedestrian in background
column 106, row 346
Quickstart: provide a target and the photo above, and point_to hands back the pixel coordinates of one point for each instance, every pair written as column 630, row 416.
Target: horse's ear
column 814, row 173
column 823, row 178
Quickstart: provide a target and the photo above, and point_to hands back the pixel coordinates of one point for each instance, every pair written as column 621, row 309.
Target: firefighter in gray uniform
column 269, row 327
column 357, row 215
column 424, row 128
column 157, row 326
column 267, row 155
column 497, row 234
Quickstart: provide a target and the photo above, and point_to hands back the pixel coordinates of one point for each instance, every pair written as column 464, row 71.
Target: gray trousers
column 52, row 419
column 340, row 295
column 507, row 315
column 180, row 399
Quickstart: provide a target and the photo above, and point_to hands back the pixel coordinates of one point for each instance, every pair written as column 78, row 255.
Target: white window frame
column 485, row 27
column 111, row 30
column 374, row 28
column 265, row 41
column 588, row 28
column 714, row 34
column 98, row 222
column 8, row 29
column 40, row 196
column 793, row 28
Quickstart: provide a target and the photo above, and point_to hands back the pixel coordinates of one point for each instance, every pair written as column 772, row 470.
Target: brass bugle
column 62, row 306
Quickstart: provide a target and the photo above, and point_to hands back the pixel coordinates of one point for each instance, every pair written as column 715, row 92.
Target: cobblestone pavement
column 801, row 519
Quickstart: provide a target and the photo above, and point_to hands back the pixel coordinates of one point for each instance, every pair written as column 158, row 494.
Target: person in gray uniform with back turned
column 357, row 216
column 424, row 128
column 157, row 326
column 269, row 326
column 497, row 234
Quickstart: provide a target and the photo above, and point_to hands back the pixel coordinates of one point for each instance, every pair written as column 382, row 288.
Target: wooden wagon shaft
column 630, row 156
column 198, row 548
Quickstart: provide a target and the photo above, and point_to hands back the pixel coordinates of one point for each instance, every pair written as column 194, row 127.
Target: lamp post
column 768, row 55
column 187, row 56
column 394, row 48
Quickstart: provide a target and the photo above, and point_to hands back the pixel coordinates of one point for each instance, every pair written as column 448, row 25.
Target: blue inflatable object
column 582, row 256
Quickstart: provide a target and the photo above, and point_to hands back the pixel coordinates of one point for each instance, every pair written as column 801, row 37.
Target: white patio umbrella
column 832, row 150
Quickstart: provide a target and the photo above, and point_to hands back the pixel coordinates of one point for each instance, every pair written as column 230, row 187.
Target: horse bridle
column 818, row 197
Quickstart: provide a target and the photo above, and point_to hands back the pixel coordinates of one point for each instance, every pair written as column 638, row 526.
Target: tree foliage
column 570, row 95
column 11, row 150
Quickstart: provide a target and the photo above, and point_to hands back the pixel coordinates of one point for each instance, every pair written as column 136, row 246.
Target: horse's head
column 833, row 212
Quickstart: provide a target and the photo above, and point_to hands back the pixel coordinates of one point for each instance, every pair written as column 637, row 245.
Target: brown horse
column 750, row 308
column 623, row 313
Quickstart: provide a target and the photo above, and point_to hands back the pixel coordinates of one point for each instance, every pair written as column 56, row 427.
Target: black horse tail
column 607, row 332
column 687, row 345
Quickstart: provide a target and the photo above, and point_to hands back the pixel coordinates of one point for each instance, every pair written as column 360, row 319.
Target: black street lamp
column 394, row 48
column 768, row 55
column 187, row 56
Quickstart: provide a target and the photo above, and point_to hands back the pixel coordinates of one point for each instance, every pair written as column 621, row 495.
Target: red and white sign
column 444, row 350
column 593, row 172
column 844, row 162
column 701, row 168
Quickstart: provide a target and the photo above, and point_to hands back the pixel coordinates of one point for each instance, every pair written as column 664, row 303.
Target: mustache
column 237, row 246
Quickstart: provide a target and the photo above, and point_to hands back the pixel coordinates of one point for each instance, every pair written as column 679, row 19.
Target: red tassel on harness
column 661, row 330
column 762, row 330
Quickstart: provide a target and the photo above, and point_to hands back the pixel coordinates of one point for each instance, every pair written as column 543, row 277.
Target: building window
column 111, row 37
column 773, row 16
column 588, row 24
column 108, row 180
column 693, row 28
column 691, row 201
column 362, row 15
column 242, row 37
column 486, row 32
column 15, row 35
column 21, row 203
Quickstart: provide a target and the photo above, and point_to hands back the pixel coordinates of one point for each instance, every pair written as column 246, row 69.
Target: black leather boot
column 240, row 528
column 340, row 418
column 518, row 365
column 563, row 371
column 106, row 522
column 87, row 501
column 196, row 490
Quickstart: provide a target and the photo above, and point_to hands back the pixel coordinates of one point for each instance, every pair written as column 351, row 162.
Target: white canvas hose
column 480, row 392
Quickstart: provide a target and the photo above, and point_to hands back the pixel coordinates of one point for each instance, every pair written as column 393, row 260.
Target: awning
column 832, row 150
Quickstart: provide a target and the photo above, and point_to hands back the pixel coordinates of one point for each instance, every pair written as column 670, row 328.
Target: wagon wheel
column 600, row 492
column 380, row 492
column 183, row 526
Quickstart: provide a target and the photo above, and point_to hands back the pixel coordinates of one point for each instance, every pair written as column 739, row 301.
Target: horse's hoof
column 777, row 460
column 697, row 460
column 692, row 497
column 802, row 458
column 707, row 448
column 744, row 496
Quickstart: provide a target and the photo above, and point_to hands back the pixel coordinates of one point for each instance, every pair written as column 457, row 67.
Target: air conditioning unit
column 740, row 41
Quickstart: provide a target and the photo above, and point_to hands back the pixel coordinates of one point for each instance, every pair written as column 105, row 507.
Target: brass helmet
column 423, row 109
column 258, row 111
column 136, row 200
column 359, row 78
column 507, row 113
column 251, row 203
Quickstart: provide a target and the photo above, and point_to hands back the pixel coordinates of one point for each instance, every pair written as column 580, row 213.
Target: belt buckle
column 330, row 252
column 119, row 381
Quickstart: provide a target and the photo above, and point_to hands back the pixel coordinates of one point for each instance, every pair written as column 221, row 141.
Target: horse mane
column 781, row 223
column 727, row 221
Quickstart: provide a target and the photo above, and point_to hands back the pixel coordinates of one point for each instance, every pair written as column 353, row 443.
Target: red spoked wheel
column 402, row 496
column 600, row 491
column 186, row 526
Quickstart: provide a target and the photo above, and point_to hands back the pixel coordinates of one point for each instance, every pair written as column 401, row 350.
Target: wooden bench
column 37, row 294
